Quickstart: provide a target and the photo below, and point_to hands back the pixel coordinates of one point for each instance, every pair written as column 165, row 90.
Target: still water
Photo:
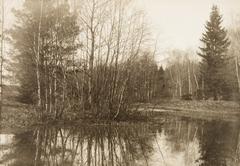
column 173, row 142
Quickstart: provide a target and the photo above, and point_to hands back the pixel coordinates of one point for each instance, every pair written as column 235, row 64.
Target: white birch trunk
column 189, row 80
column 237, row 73
column 38, row 58
column 2, row 52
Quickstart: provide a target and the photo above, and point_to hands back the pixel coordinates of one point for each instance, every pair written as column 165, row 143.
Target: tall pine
column 214, row 57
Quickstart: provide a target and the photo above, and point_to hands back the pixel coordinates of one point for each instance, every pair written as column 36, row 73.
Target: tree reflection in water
column 178, row 142
column 91, row 145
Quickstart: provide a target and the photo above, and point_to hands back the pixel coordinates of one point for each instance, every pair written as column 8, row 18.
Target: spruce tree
column 214, row 57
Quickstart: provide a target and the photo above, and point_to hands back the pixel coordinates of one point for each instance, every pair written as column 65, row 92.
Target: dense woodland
column 97, row 58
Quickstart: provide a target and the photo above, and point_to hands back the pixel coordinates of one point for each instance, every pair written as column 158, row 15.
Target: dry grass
column 209, row 110
column 204, row 105
column 14, row 114
column 193, row 105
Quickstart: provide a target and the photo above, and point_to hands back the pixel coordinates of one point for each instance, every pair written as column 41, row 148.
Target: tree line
column 213, row 71
column 93, row 58
column 84, row 58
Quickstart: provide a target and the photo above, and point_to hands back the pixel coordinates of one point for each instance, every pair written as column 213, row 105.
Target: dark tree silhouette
column 214, row 56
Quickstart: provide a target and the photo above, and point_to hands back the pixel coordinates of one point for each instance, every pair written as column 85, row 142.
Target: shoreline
column 206, row 110
column 17, row 116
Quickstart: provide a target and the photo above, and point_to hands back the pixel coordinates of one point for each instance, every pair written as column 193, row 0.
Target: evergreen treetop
column 214, row 56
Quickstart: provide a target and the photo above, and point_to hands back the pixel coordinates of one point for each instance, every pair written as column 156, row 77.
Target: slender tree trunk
column 50, row 94
column 63, row 95
column 196, row 81
column 55, row 72
column 237, row 73
column 2, row 52
column 39, row 104
column 92, row 54
column 55, row 91
column 180, row 86
column 46, row 86
column 91, row 59
column 189, row 80
column 203, row 88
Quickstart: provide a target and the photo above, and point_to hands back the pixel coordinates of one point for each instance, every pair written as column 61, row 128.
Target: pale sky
column 180, row 23
column 175, row 23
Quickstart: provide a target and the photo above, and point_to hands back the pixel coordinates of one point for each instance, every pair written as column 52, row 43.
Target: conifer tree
column 214, row 57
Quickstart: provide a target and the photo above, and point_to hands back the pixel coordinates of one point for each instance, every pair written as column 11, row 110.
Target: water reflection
column 177, row 142
column 5, row 144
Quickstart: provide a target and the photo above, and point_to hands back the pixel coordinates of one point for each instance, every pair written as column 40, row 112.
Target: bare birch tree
column 84, row 59
column 235, row 50
column 182, row 74
column 2, row 55
column 37, row 51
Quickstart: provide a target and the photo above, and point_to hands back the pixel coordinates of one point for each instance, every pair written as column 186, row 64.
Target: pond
column 171, row 141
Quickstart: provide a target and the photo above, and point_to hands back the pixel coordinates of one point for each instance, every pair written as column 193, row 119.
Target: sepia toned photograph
column 119, row 82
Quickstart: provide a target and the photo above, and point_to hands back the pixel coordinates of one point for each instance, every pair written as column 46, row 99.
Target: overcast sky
column 180, row 23
column 175, row 23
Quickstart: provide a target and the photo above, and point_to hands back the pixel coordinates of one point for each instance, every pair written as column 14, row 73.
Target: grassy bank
column 200, row 105
column 205, row 109
column 15, row 115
